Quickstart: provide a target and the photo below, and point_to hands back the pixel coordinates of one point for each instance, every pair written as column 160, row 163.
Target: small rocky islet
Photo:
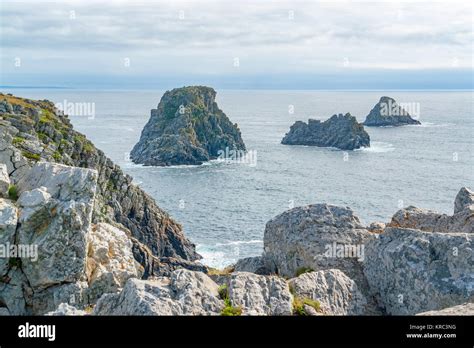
column 339, row 131
column 388, row 113
column 187, row 128
column 106, row 248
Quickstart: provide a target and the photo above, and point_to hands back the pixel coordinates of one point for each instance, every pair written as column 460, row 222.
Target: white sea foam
column 378, row 147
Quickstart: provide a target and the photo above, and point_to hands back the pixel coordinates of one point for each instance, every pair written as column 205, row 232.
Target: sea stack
column 340, row 131
column 388, row 113
column 187, row 128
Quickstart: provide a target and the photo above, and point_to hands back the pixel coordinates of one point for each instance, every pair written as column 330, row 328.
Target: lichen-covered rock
column 336, row 293
column 430, row 221
column 411, row 271
column 110, row 262
column 463, row 309
column 254, row 264
column 340, row 131
column 4, row 180
column 57, row 220
column 388, row 113
column 313, row 237
column 46, row 300
column 260, row 295
column 464, row 200
column 184, row 293
column 65, row 309
column 187, row 128
column 8, row 223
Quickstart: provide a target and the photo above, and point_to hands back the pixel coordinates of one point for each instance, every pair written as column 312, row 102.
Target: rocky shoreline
column 101, row 246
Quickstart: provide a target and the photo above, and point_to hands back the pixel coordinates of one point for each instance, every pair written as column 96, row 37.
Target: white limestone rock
column 184, row 293
column 336, row 293
column 260, row 295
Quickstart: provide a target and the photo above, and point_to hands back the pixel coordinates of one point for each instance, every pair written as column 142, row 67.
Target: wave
column 239, row 242
column 432, row 125
column 378, row 147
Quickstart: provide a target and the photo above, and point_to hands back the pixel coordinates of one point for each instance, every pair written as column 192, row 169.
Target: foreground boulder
column 464, row 309
column 388, row 113
column 254, row 264
column 335, row 292
column 316, row 237
column 260, row 295
column 339, row 131
column 187, row 128
column 412, row 271
column 4, row 180
column 430, row 221
column 184, row 293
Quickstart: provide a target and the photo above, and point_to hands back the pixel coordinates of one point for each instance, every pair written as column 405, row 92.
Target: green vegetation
column 17, row 141
column 57, row 156
column 303, row 270
column 31, row 156
column 220, row 272
column 299, row 303
column 13, row 192
column 14, row 262
column 228, row 310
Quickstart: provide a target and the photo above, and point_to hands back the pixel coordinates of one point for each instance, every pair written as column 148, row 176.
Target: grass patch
column 13, row 192
column 299, row 303
column 228, row 310
column 57, row 156
column 31, row 156
column 17, row 141
column 303, row 270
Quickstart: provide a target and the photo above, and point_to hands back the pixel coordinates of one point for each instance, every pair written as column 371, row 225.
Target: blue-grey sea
column 223, row 207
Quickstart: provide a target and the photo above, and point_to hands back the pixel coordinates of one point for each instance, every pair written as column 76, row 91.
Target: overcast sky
column 307, row 44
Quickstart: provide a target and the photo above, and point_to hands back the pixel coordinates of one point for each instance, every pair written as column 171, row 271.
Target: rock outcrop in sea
column 339, row 131
column 187, row 128
column 388, row 113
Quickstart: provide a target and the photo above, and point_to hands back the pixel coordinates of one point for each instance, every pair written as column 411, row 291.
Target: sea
column 223, row 206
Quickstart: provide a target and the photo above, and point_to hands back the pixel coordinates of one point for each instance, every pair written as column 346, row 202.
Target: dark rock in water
column 187, row 128
column 388, row 113
column 340, row 131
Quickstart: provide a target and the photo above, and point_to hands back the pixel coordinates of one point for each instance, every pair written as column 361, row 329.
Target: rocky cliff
column 187, row 128
column 388, row 113
column 33, row 131
column 340, row 131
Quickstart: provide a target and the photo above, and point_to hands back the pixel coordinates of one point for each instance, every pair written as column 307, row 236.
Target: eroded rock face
column 56, row 205
column 463, row 309
column 313, row 237
column 110, row 262
column 260, row 295
column 431, row 221
column 388, row 113
column 8, row 222
column 340, row 131
column 187, row 128
column 66, row 309
column 184, row 293
column 4, row 180
column 413, row 271
column 336, row 292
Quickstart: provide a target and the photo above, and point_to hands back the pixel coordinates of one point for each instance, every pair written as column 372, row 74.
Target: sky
column 237, row 44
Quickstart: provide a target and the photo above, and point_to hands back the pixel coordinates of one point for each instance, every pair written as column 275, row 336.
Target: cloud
column 205, row 36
